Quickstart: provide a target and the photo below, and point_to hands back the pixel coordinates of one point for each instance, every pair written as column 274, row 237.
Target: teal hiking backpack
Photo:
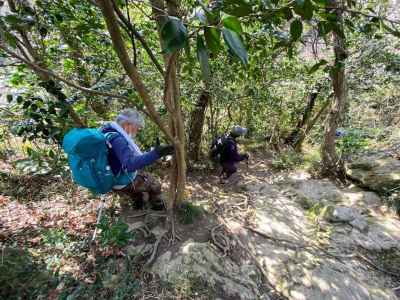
column 87, row 150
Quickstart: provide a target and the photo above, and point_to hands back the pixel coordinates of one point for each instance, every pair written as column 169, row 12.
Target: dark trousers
column 228, row 168
column 143, row 188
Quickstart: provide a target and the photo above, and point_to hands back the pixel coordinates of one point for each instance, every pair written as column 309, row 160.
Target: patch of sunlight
column 186, row 249
column 322, row 284
column 299, row 175
column 271, row 225
column 395, row 176
column 390, row 225
column 354, row 197
column 297, row 295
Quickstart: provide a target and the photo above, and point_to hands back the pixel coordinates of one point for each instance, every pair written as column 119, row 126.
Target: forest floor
column 265, row 235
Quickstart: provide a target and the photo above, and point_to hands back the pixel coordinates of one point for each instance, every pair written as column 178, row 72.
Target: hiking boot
column 138, row 204
column 157, row 203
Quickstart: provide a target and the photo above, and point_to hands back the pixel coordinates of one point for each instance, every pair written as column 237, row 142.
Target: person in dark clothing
column 230, row 155
column 126, row 160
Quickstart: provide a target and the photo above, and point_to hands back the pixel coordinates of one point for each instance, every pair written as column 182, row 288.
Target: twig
column 138, row 215
column 8, row 111
column 98, row 217
column 67, row 82
column 153, row 255
column 365, row 14
column 362, row 257
column 137, row 35
column 263, row 234
column 299, row 245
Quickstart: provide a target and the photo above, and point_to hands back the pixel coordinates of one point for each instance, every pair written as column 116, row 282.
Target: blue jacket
column 122, row 158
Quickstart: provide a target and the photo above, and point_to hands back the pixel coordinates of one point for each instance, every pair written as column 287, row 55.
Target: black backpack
column 217, row 148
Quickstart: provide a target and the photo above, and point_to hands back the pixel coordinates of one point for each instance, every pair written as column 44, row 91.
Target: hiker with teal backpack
column 108, row 159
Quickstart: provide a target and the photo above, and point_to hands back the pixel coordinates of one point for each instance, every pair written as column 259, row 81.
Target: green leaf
column 15, row 20
column 324, row 28
column 306, row 10
column 12, row 19
column 286, row 13
column 232, row 39
column 232, row 23
column 173, row 35
column 315, row 67
column 202, row 56
column 322, row 2
column 10, row 39
column 296, row 29
column 239, row 8
column 300, row 3
column 212, row 36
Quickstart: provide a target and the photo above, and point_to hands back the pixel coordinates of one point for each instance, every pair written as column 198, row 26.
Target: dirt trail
column 310, row 239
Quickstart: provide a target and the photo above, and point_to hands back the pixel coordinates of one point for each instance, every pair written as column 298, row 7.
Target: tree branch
column 365, row 14
column 67, row 82
column 137, row 35
column 132, row 72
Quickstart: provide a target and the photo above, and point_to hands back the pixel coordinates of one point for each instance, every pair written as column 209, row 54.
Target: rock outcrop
column 377, row 174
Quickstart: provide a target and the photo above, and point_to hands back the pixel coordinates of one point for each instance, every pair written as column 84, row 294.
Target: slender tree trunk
column 330, row 160
column 303, row 134
column 197, row 123
column 295, row 135
column 171, row 99
column 172, row 102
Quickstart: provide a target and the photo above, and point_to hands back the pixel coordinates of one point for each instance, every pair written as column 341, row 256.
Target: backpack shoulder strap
column 109, row 136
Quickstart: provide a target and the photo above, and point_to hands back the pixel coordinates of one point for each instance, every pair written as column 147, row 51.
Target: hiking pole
column 99, row 212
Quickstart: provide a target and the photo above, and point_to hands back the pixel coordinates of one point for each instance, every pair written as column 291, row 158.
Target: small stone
column 343, row 214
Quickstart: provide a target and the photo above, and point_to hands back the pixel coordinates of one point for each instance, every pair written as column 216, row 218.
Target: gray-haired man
column 126, row 159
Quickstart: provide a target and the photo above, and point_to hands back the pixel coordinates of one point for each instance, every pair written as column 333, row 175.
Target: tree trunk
column 331, row 165
column 303, row 134
column 293, row 138
column 174, row 133
column 196, row 125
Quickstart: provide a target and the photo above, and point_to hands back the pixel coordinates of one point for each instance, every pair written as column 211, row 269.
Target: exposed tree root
column 248, row 251
column 363, row 258
column 155, row 248
column 223, row 246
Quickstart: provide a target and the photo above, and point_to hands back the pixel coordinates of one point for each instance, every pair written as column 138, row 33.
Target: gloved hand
column 164, row 150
